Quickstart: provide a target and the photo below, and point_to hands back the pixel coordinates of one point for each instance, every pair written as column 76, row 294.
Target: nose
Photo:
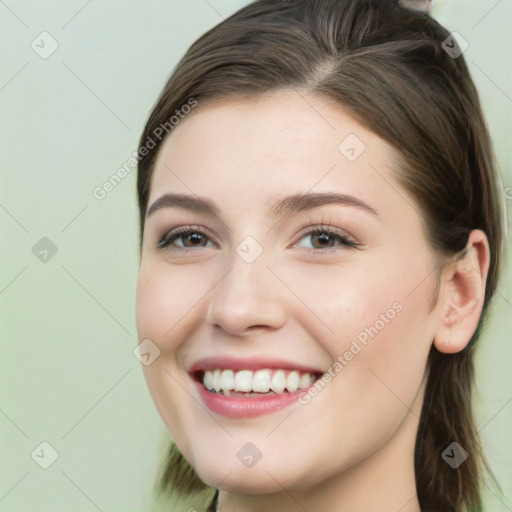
column 248, row 297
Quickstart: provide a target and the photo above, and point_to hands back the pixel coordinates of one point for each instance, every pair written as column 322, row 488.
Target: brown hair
column 387, row 68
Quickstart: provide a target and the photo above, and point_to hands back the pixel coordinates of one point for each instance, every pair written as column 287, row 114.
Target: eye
column 324, row 237
column 188, row 236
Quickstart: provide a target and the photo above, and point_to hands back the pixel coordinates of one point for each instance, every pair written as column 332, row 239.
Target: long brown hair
column 388, row 68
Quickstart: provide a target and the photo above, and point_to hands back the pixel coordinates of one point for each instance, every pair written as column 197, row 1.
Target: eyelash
column 173, row 235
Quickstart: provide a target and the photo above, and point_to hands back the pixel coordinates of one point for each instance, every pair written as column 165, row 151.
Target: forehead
column 255, row 148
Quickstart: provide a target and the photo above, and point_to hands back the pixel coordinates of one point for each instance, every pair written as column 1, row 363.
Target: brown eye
column 187, row 238
column 195, row 239
column 327, row 239
column 324, row 240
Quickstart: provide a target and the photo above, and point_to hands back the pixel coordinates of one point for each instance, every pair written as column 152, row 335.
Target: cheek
column 163, row 300
column 373, row 319
column 154, row 301
column 354, row 300
column 386, row 333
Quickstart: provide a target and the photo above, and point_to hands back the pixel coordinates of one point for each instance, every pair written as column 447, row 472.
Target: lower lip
column 239, row 407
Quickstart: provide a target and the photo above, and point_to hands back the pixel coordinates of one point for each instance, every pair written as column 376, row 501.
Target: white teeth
column 208, row 380
column 243, row 381
column 216, row 380
column 278, row 382
column 292, row 381
column 227, row 380
column 261, row 381
column 305, row 380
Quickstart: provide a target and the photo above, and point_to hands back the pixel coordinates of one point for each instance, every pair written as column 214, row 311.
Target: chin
column 258, row 480
column 247, row 483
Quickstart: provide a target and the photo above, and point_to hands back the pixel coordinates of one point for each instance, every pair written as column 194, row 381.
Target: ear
column 462, row 295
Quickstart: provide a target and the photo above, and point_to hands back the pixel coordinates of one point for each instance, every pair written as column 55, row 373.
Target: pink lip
column 240, row 407
column 253, row 363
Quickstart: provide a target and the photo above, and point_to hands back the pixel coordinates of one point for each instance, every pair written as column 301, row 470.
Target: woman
column 321, row 234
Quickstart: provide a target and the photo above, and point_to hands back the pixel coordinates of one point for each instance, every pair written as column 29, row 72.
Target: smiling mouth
column 258, row 383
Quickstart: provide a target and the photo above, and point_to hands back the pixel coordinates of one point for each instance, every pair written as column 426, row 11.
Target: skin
column 351, row 447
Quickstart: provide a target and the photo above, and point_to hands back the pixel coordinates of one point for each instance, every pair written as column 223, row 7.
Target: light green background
column 68, row 122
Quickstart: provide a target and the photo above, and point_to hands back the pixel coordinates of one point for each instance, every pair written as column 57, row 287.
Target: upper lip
column 249, row 363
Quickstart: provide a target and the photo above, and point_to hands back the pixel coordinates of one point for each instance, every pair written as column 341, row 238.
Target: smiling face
column 338, row 281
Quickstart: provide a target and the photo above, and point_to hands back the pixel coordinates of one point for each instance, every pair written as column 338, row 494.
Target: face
column 240, row 286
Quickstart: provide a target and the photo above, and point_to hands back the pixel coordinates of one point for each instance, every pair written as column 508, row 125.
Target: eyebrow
column 282, row 206
column 300, row 202
column 194, row 203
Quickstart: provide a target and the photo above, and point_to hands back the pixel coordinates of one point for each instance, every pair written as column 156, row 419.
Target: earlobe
column 462, row 295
